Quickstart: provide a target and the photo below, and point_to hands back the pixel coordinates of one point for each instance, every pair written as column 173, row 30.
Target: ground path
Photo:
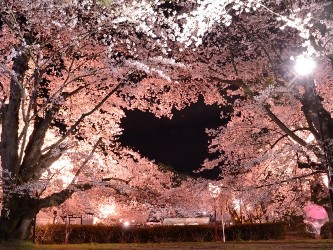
column 245, row 245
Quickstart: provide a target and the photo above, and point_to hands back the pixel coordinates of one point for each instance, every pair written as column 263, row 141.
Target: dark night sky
column 180, row 142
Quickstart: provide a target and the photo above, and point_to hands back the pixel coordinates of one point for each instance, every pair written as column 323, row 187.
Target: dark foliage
column 306, row 230
column 55, row 234
column 257, row 231
column 50, row 234
column 326, row 231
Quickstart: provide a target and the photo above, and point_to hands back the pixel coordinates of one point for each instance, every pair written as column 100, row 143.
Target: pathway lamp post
column 214, row 193
column 304, row 67
column 222, row 220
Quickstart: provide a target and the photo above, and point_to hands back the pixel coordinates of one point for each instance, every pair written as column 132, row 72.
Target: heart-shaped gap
column 180, row 142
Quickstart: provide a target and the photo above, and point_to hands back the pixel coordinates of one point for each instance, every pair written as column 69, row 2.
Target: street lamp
column 305, row 66
column 214, row 193
column 222, row 221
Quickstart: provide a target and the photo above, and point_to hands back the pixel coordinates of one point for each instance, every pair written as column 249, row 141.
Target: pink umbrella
column 315, row 212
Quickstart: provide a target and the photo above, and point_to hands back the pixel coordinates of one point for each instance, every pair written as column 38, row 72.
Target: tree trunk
column 17, row 218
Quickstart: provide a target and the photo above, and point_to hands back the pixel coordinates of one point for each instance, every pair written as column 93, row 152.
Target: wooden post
column 215, row 220
column 66, row 229
column 34, row 230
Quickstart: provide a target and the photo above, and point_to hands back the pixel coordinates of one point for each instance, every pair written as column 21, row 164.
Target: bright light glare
column 107, row 210
column 95, row 220
column 304, row 66
column 325, row 180
column 126, row 224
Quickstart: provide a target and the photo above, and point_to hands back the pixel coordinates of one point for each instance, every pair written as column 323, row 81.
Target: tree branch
column 83, row 116
column 86, row 161
column 283, row 127
column 274, row 118
column 281, row 181
column 286, row 135
column 58, row 198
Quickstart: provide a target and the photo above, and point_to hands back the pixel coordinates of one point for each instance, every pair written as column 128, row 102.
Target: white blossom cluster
column 139, row 12
column 204, row 17
column 200, row 20
column 247, row 6
column 149, row 70
column 167, row 61
column 264, row 94
column 303, row 26
column 298, row 23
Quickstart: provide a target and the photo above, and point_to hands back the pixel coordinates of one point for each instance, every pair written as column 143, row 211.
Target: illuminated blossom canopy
column 70, row 68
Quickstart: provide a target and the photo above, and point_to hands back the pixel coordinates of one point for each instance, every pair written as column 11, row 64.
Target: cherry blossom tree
column 278, row 122
column 62, row 62
column 71, row 67
column 68, row 71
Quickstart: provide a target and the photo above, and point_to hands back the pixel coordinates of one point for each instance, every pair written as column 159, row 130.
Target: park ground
column 246, row 245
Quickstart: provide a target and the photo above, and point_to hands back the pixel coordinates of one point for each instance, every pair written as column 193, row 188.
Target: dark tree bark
column 17, row 216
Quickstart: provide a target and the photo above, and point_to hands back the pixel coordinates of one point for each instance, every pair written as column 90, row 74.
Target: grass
column 246, row 245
